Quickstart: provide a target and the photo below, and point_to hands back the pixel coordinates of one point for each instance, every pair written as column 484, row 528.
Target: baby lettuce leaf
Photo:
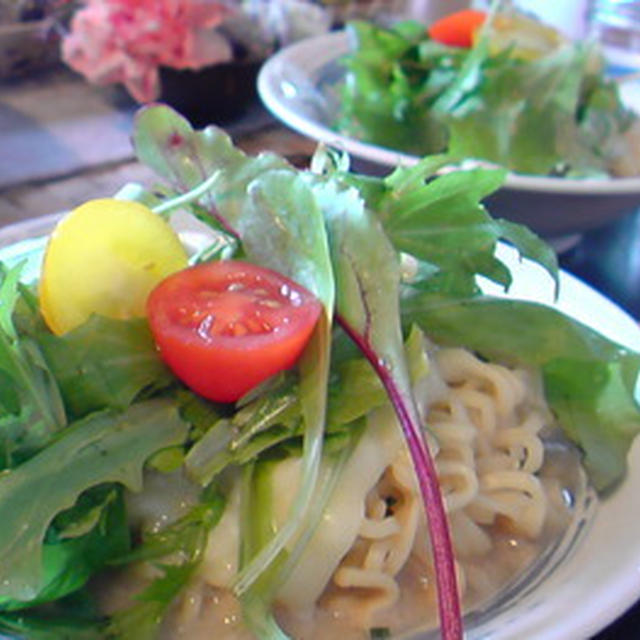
column 105, row 447
column 262, row 200
column 596, row 409
column 184, row 158
column 31, row 408
column 104, row 363
column 443, row 222
column 589, row 380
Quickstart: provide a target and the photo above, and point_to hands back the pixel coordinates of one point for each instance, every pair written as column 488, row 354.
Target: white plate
column 296, row 85
column 595, row 574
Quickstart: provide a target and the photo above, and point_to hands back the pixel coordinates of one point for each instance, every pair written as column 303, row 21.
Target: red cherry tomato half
column 223, row 327
column 457, row 29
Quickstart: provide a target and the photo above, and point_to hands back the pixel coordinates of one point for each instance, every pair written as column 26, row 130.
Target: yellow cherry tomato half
column 104, row 258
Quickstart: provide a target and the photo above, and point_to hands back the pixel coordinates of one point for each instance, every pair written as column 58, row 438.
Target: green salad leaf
column 31, row 406
column 367, row 308
column 555, row 113
column 104, row 364
column 103, row 448
column 444, row 223
column 71, row 556
column 589, row 380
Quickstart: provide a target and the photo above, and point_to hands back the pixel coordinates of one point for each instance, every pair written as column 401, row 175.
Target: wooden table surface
column 40, row 197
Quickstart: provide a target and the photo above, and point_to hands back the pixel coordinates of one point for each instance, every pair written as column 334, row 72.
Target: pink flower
column 128, row 40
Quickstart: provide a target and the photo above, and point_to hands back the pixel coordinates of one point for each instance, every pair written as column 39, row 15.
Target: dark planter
column 26, row 48
column 213, row 95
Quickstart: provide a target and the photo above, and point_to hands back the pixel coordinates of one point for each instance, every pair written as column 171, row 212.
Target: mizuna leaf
column 106, row 447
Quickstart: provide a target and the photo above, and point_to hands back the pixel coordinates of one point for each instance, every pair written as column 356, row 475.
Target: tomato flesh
column 223, row 327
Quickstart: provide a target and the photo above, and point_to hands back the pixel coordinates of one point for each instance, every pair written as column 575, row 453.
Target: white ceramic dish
column 593, row 575
column 296, row 86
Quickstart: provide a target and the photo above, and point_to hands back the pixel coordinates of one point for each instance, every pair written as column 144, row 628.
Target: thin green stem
column 186, row 198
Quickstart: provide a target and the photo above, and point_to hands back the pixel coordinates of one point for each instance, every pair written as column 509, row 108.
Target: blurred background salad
column 141, row 44
column 503, row 85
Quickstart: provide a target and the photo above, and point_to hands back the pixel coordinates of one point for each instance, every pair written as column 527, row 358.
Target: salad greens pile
column 85, row 415
column 552, row 114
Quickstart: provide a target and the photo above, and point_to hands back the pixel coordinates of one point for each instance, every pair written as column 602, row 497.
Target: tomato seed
column 240, row 330
column 270, row 303
column 254, row 325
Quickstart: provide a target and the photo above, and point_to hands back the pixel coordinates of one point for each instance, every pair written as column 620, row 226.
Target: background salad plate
column 592, row 575
column 298, row 84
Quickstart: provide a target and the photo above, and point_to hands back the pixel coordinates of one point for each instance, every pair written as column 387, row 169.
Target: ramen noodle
column 368, row 563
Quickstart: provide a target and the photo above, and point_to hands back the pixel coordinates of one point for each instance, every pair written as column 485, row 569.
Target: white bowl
column 296, row 86
column 592, row 575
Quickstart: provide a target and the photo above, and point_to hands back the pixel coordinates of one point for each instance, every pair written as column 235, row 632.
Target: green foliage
column 31, row 408
column 103, row 448
column 555, row 114
column 104, row 363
